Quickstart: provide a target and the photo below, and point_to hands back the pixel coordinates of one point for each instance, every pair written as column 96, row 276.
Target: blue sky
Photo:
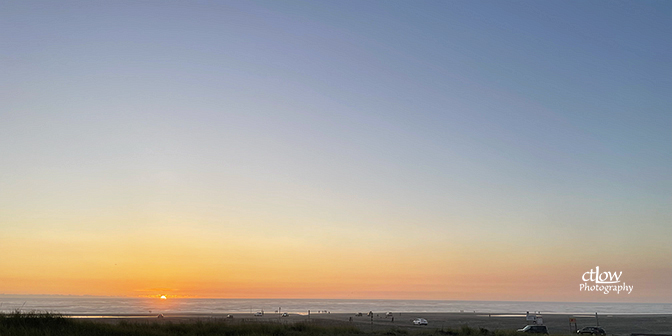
column 476, row 120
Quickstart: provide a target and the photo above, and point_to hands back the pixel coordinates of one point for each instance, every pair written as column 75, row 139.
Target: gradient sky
column 466, row 150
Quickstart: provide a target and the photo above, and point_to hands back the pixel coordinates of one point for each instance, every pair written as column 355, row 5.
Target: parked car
column 285, row 314
column 388, row 314
column 534, row 329
column 420, row 321
column 229, row 316
column 592, row 331
column 259, row 313
column 358, row 314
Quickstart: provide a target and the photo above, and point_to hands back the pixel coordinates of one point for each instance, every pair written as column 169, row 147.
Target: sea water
column 85, row 305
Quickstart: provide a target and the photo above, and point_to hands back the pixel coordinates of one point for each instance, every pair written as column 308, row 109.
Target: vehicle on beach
column 420, row 321
column 259, row 313
column 592, row 331
column 285, row 314
column 388, row 314
column 358, row 314
column 534, row 329
column 229, row 316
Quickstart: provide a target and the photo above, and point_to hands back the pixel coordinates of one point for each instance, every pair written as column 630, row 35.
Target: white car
column 420, row 321
column 258, row 314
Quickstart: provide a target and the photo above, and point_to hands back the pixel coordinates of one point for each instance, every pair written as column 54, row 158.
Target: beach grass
column 48, row 324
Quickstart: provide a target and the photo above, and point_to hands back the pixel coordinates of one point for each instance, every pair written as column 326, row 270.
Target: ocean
column 103, row 306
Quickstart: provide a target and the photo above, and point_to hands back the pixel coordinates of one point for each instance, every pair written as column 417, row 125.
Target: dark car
column 592, row 331
column 534, row 329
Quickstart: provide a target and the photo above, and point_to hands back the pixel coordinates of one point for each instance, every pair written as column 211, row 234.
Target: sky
column 454, row 150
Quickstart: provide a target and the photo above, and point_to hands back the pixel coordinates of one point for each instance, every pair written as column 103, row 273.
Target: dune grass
column 48, row 324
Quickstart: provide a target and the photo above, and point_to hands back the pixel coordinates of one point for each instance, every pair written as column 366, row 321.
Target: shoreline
column 319, row 315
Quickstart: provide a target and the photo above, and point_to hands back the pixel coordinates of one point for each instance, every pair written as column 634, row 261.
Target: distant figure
column 392, row 319
column 350, row 319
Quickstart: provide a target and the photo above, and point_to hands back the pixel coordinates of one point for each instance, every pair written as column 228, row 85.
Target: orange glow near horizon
column 187, row 265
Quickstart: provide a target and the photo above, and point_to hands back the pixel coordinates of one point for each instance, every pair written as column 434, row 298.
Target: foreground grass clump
column 468, row 331
column 18, row 321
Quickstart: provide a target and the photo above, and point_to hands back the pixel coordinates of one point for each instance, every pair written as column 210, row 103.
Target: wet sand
column 618, row 325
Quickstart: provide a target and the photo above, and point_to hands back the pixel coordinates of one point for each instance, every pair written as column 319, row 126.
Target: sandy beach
column 557, row 323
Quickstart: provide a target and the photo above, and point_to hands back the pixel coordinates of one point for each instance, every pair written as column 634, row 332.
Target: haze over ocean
column 97, row 306
column 437, row 150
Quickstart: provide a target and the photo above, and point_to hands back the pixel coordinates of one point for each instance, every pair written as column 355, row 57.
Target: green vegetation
column 468, row 331
column 48, row 324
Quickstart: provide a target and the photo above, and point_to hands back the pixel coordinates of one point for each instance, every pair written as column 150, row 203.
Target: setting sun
column 163, row 297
